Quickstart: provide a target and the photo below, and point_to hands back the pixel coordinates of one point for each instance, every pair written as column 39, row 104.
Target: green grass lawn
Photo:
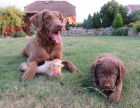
column 72, row 90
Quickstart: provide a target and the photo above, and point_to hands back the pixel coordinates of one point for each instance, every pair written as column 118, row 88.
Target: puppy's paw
column 115, row 97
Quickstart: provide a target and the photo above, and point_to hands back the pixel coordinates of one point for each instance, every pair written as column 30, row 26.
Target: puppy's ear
column 94, row 73
column 122, row 71
column 37, row 20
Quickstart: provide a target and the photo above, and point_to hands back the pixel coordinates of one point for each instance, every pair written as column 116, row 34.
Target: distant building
column 133, row 8
column 65, row 8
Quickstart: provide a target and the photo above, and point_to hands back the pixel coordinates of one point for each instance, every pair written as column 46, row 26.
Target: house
column 133, row 8
column 65, row 8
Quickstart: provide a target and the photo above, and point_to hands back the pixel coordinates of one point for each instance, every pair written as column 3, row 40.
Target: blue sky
column 83, row 7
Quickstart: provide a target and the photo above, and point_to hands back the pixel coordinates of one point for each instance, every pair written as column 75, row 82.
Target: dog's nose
column 59, row 26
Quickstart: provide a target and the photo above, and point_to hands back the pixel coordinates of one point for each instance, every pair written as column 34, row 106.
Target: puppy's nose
column 107, row 85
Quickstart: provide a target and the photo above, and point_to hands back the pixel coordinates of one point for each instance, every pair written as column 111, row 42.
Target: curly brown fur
column 108, row 72
column 46, row 43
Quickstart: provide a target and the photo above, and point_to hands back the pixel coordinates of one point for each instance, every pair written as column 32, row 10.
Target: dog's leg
column 31, row 71
column 70, row 66
column 116, row 95
column 24, row 66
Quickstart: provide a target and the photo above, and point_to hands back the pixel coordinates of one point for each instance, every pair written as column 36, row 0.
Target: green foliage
column 20, row 33
column 96, row 20
column 89, row 22
column 130, row 24
column 135, row 15
column 84, row 23
column 118, row 21
column 106, row 21
column 123, row 10
column 10, row 17
column 32, row 29
column 67, row 25
column 136, row 26
column 122, row 31
column 111, row 9
column 78, row 24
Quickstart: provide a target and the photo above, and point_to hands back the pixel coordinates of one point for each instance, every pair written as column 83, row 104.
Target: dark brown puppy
column 46, row 43
column 108, row 72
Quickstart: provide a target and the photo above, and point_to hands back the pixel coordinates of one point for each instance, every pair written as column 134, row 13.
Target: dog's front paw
column 115, row 96
column 24, row 66
column 27, row 76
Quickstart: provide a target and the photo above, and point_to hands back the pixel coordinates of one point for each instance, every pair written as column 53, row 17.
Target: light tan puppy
column 51, row 68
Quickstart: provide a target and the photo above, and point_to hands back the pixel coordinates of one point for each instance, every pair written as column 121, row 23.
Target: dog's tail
column 70, row 66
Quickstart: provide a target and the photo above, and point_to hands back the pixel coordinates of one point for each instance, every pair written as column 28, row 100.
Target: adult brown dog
column 108, row 72
column 46, row 43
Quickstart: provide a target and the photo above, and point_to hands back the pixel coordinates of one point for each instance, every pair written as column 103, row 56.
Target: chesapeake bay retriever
column 46, row 43
column 51, row 68
column 108, row 72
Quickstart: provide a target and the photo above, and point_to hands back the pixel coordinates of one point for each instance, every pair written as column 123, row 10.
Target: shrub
column 20, row 33
column 129, row 25
column 118, row 21
column 78, row 24
column 122, row 31
column 136, row 26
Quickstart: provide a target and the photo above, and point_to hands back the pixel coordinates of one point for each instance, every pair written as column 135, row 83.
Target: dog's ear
column 122, row 71
column 64, row 21
column 94, row 73
column 37, row 20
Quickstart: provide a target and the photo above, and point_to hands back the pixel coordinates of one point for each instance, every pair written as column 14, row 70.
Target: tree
column 96, row 20
column 89, row 22
column 118, row 21
column 112, row 8
column 135, row 15
column 106, row 21
column 123, row 10
column 84, row 23
column 10, row 17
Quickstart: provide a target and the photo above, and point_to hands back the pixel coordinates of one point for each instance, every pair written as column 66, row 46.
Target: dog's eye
column 113, row 74
column 100, row 74
column 49, row 17
column 61, row 19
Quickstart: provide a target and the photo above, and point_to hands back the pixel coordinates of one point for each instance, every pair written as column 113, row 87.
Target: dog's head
column 52, row 22
column 106, row 73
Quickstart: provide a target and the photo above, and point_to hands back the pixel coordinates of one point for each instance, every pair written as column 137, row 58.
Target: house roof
column 134, row 7
column 65, row 8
